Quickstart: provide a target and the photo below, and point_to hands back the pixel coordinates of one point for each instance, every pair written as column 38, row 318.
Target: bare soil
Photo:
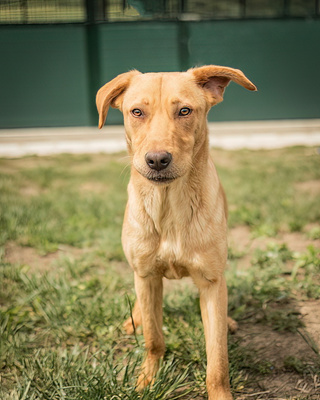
column 35, row 261
column 281, row 350
column 242, row 241
column 311, row 187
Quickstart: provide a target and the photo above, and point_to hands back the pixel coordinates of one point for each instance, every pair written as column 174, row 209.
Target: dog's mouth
column 160, row 178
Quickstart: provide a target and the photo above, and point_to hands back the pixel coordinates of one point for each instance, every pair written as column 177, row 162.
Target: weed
column 314, row 233
column 306, row 273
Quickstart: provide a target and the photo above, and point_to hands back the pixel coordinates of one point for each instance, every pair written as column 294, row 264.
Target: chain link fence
column 41, row 11
column 83, row 11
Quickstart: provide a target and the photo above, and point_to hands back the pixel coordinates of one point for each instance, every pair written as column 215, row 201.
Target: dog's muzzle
column 159, row 167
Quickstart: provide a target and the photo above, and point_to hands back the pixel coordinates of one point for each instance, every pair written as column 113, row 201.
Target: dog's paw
column 128, row 326
column 232, row 325
column 148, row 373
column 144, row 381
column 220, row 395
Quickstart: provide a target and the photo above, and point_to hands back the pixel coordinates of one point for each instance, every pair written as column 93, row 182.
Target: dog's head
column 165, row 115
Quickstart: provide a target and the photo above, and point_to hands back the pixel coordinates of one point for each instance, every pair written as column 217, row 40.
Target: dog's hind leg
column 134, row 320
column 232, row 325
column 149, row 295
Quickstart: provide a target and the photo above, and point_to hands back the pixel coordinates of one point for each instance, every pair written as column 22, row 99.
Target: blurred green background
column 55, row 54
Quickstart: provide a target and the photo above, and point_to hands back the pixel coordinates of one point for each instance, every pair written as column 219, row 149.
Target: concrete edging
column 111, row 139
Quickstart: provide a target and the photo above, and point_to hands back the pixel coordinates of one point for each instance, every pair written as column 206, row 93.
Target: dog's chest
column 173, row 224
column 170, row 259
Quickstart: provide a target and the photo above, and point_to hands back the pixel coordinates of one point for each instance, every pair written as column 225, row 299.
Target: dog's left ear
column 110, row 94
column 214, row 79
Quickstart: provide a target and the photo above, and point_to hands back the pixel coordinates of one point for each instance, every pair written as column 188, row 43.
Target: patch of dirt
column 274, row 349
column 240, row 237
column 281, row 382
column 23, row 255
column 241, row 240
column 272, row 345
column 311, row 187
column 310, row 311
column 31, row 191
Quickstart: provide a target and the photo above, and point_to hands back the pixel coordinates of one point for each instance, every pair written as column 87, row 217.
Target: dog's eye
column 184, row 111
column 136, row 112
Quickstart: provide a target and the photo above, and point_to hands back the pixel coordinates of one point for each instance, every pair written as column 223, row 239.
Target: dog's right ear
column 110, row 94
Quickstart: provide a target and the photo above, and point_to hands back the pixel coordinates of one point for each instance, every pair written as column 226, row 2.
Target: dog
column 175, row 222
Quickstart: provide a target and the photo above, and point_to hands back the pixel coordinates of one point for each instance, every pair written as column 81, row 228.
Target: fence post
column 95, row 14
column 183, row 44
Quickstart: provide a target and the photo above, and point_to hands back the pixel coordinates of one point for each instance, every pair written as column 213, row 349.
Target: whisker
column 125, row 157
column 125, row 169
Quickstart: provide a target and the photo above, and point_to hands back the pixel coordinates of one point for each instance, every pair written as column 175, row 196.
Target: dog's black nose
column 158, row 160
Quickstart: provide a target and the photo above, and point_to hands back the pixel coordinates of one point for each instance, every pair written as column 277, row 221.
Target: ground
column 63, row 274
column 274, row 346
column 264, row 342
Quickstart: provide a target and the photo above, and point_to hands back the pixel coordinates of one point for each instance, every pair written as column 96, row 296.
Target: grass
column 62, row 305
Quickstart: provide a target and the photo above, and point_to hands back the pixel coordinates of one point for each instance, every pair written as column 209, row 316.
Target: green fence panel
column 281, row 57
column 49, row 74
column 147, row 47
column 43, row 76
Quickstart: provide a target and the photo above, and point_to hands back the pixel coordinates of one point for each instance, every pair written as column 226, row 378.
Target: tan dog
column 175, row 222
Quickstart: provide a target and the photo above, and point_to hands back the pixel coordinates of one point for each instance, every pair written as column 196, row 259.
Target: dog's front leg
column 149, row 295
column 213, row 303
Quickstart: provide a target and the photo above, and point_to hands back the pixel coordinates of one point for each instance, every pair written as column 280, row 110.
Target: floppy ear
column 109, row 94
column 214, row 79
